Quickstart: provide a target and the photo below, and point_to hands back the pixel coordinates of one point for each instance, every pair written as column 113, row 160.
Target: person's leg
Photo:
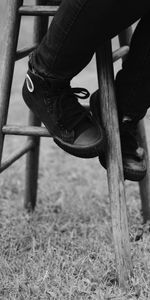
column 133, row 91
column 133, row 81
column 78, row 27
column 133, row 99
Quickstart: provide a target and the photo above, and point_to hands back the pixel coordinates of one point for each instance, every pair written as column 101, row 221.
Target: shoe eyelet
column 29, row 83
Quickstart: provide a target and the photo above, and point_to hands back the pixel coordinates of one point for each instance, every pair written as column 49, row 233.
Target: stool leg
column 32, row 165
column 144, row 185
column 114, row 163
column 9, row 45
column 32, row 161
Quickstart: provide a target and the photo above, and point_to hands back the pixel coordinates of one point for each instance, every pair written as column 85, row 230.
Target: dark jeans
column 80, row 26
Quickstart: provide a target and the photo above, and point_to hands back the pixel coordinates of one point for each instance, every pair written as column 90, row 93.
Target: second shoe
column 133, row 155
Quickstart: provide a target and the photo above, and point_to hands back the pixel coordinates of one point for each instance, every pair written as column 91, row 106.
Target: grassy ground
column 64, row 250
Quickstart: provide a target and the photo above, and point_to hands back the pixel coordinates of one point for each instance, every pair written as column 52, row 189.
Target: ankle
column 52, row 79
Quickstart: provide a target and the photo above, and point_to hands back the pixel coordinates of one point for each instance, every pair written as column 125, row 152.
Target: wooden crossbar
column 117, row 54
column 25, row 130
column 16, row 155
column 24, row 52
column 120, row 53
column 37, row 10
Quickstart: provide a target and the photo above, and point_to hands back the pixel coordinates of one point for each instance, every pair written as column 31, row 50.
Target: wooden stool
column 15, row 10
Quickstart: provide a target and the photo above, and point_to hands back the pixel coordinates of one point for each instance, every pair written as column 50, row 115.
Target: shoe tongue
column 72, row 114
column 56, row 84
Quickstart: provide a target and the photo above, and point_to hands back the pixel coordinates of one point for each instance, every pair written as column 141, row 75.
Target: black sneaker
column 133, row 155
column 55, row 103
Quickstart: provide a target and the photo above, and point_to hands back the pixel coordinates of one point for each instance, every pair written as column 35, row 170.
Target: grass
column 64, row 250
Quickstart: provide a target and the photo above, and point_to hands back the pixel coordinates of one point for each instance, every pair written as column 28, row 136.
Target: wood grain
column 114, row 163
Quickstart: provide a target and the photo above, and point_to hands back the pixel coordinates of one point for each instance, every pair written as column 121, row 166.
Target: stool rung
column 24, row 52
column 16, row 155
column 121, row 52
column 25, row 130
column 36, row 10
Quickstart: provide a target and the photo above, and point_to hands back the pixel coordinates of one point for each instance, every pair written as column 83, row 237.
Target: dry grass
column 64, row 250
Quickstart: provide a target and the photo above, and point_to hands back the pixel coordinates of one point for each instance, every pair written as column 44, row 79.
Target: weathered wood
column 24, row 52
column 26, row 130
column 16, row 155
column 38, row 10
column 144, row 185
column 9, row 45
column 31, row 173
column 32, row 162
column 120, row 53
column 114, row 163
